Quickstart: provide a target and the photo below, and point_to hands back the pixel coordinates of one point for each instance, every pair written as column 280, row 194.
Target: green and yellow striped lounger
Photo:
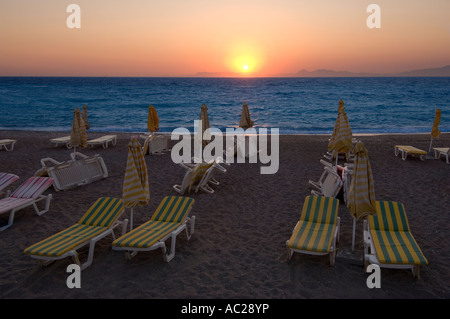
column 98, row 222
column 406, row 150
column 388, row 239
column 169, row 219
column 317, row 230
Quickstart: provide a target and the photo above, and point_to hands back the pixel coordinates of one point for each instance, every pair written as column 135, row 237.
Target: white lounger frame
column 130, row 252
column 405, row 153
column 333, row 248
column 370, row 255
column 75, row 172
column 103, row 141
column 444, row 151
column 45, row 261
column 5, row 143
column 33, row 202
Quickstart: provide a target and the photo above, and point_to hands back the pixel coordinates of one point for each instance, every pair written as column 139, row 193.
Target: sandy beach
column 238, row 249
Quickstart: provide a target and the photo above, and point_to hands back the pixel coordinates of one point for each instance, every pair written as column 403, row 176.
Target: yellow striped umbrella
column 341, row 138
column 153, row 120
column 245, row 121
column 204, row 120
column 86, row 123
column 78, row 137
column 437, row 118
column 434, row 132
column 135, row 191
column 361, row 195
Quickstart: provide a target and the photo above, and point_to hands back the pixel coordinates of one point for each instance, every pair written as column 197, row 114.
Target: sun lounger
column 169, row 219
column 319, row 183
column 199, row 177
column 65, row 140
column 331, row 184
column 29, row 193
column 75, row 172
column 388, row 241
column 192, row 178
column 155, row 144
column 98, row 222
column 6, row 179
column 406, row 150
column 317, row 231
column 7, row 144
column 103, row 141
column 442, row 151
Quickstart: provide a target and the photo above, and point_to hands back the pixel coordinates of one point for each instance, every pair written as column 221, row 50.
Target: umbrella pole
column 430, row 155
column 354, row 231
column 131, row 219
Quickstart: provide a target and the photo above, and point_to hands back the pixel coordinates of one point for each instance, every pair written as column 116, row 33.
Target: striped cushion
column 103, row 212
column 199, row 171
column 8, row 203
column 169, row 215
column 391, row 235
column 64, row 241
column 33, row 187
column 315, row 230
column 146, row 235
column 6, row 179
column 173, row 209
column 95, row 221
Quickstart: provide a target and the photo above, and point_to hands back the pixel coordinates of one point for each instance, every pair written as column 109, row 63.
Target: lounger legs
column 47, row 198
column 168, row 255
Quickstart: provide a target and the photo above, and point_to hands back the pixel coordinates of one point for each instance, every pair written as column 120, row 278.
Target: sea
column 293, row 105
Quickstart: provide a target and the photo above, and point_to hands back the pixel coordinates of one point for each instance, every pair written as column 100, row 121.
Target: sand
column 238, row 249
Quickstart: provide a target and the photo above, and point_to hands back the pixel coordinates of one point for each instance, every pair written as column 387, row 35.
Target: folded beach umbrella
column 78, row 137
column 361, row 195
column 204, row 121
column 135, row 191
column 153, row 120
column 341, row 138
column 434, row 131
column 437, row 118
column 245, row 121
column 86, row 123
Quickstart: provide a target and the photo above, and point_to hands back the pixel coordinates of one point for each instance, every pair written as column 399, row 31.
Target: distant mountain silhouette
column 443, row 71
column 435, row 72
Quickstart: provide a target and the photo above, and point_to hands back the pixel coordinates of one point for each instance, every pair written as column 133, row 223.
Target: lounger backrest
column 173, row 209
column 390, row 216
column 332, row 183
column 103, row 212
column 33, row 187
column 320, row 209
column 199, row 171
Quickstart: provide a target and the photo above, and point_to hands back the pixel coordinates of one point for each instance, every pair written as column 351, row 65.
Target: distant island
column 432, row 72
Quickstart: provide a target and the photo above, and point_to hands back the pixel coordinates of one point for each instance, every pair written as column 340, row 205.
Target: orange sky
column 182, row 38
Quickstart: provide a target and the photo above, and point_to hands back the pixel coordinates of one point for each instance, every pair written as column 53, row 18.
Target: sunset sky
column 245, row 37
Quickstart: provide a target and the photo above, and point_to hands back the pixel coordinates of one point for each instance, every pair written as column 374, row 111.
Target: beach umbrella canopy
column 361, row 195
column 437, row 118
column 341, row 138
column 135, row 191
column 78, row 137
column 153, row 120
column 204, row 120
column 86, row 123
column 245, row 121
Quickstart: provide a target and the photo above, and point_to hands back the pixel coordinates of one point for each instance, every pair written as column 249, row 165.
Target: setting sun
column 245, row 67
